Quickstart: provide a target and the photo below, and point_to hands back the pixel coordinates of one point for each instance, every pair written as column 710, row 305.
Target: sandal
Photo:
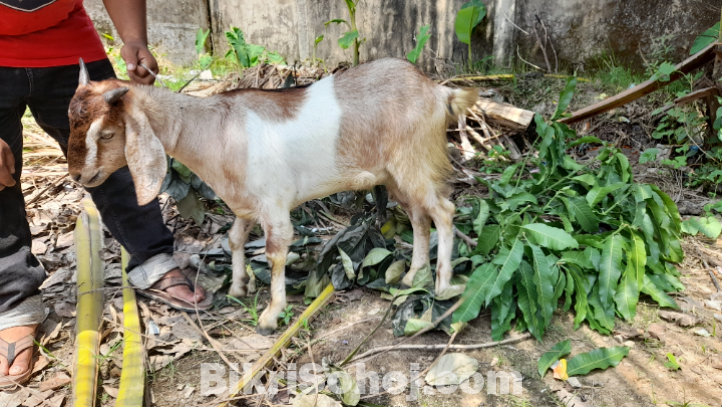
column 159, row 294
column 10, row 351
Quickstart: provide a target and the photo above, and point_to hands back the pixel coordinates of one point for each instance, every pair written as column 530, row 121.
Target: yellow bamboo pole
column 88, row 243
column 132, row 377
column 317, row 305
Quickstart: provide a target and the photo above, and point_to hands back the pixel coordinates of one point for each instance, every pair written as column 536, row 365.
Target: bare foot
column 23, row 359
column 183, row 292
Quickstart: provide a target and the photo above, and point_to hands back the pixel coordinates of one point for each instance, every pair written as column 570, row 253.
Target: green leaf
column 480, row 6
column 423, row 278
column 581, row 303
column 421, row 40
column 627, row 294
column 579, row 208
column 550, row 237
column 649, row 155
column 672, row 362
column 689, row 227
column 514, row 201
column 479, row 284
column 544, row 281
column 588, row 179
column 671, row 207
column 347, row 39
column 610, row 269
column 585, row 140
column 480, row 220
column 509, row 260
column 192, row 207
column 318, row 40
column 489, row 239
column 578, row 258
column 394, row 272
column 559, row 350
column 598, row 193
column 466, row 20
column 376, row 256
column 201, row 37
column 503, row 310
column 182, row 170
column 508, row 174
column 335, row 21
column 601, row 358
column 637, row 257
column 709, row 226
column 565, row 98
column 657, row 294
column 347, row 264
column 526, row 300
column 706, row 38
column 414, row 325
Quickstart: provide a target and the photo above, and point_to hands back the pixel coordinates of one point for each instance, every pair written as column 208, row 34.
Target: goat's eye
column 107, row 135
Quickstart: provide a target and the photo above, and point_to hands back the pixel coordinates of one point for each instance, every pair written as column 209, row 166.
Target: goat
column 266, row 152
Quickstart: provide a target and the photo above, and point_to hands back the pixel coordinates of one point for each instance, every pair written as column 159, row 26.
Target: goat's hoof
column 238, row 292
column 407, row 281
column 251, row 288
column 265, row 331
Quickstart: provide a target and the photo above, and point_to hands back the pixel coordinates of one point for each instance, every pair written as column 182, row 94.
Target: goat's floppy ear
column 145, row 156
column 84, row 78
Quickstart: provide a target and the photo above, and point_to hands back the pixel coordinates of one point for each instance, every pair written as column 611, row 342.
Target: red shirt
column 44, row 33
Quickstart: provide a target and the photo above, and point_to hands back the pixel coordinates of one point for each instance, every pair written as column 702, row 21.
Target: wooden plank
column 643, row 89
column 88, row 244
column 696, row 95
column 505, row 114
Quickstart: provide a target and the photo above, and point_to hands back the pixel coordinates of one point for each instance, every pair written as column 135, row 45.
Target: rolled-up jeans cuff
column 152, row 270
column 29, row 312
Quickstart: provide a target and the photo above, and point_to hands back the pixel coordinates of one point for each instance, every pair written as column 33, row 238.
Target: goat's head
column 109, row 130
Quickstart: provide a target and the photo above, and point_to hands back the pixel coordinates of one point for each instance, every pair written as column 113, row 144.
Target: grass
column 252, row 310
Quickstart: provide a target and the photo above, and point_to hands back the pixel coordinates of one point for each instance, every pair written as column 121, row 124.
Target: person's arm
column 129, row 19
column 7, row 166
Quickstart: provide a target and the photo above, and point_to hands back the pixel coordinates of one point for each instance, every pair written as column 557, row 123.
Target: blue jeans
column 140, row 229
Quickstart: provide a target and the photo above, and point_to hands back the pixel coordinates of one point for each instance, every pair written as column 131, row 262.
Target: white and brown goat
column 266, row 152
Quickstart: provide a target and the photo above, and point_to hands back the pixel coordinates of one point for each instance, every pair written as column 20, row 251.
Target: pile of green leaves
column 557, row 230
column 245, row 55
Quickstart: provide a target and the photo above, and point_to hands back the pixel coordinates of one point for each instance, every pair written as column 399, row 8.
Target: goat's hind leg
column 443, row 215
column 421, row 225
column 243, row 282
column 279, row 232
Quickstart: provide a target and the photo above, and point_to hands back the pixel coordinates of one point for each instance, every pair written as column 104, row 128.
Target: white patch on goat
column 91, row 143
column 296, row 158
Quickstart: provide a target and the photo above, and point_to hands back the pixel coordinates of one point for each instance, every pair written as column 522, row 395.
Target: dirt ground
column 177, row 347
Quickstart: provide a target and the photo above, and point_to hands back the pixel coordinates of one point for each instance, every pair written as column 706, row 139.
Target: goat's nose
column 75, row 177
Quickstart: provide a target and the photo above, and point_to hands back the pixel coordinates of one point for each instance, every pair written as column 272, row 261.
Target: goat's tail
column 459, row 100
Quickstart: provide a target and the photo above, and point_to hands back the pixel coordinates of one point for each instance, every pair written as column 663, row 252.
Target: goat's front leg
column 237, row 237
column 279, row 232
column 421, row 225
column 443, row 215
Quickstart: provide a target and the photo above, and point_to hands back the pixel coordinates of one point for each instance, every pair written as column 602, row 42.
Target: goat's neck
column 175, row 118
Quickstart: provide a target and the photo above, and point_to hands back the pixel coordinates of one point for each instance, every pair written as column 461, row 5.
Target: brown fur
column 276, row 105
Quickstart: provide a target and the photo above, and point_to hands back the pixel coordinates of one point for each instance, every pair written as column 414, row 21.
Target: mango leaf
column 347, row 264
column 347, row 39
column 578, row 258
column 565, row 98
column 601, row 358
column 452, row 369
column 192, row 207
column 598, row 193
column 480, row 283
column 557, row 352
column 509, row 260
column 583, row 214
column 503, row 310
column 544, row 281
column 550, row 237
column 709, row 226
column 394, row 272
column 489, row 239
column 421, row 40
column 706, row 38
column 637, row 257
column 414, row 325
column 527, row 301
column 588, row 179
column 585, row 140
column 483, row 216
column 610, row 269
column 657, row 294
column 627, row 294
column 375, row 256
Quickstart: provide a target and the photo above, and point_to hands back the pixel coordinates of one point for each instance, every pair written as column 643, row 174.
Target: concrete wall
column 172, row 26
column 581, row 30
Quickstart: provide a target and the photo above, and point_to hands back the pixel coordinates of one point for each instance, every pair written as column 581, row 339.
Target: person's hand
column 134, row 55
column 7, row 166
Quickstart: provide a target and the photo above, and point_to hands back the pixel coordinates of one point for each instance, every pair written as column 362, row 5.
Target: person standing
column 41, row 42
